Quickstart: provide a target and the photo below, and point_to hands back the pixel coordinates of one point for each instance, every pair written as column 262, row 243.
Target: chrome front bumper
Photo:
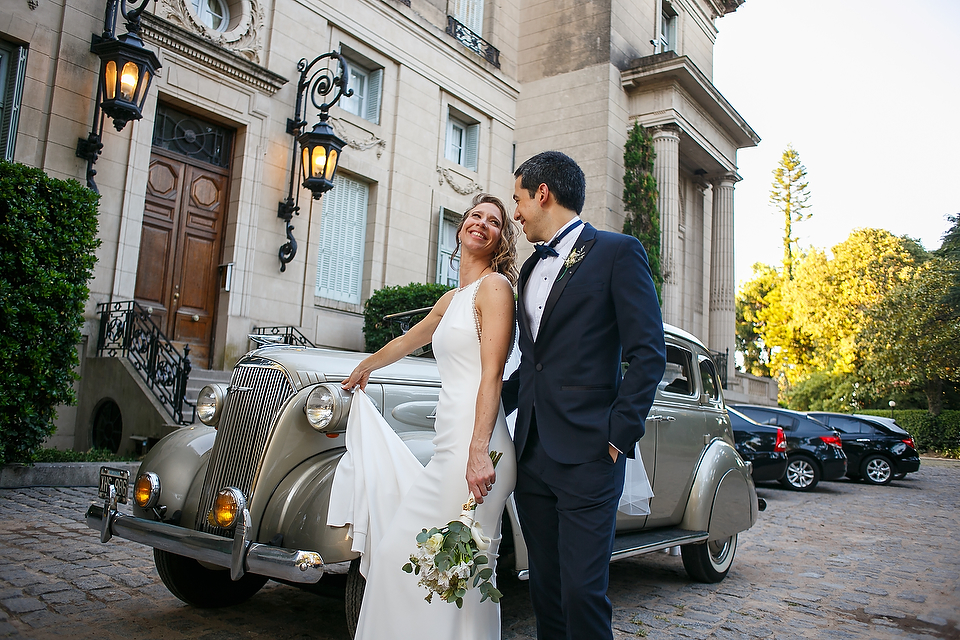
column 239, row 554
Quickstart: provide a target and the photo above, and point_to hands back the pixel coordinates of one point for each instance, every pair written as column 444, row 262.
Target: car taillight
column 909, row 443
column 833, row 441
column 781, row 444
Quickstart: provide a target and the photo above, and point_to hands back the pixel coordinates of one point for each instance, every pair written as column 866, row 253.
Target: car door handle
column 661, row 418
column 863, row 439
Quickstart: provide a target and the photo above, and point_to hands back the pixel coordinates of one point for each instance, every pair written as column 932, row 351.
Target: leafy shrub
column 930, row 433
column 48, row 235
column 391, row 300
column 94, row 455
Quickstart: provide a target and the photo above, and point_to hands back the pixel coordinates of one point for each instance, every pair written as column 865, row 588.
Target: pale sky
column 868, row 93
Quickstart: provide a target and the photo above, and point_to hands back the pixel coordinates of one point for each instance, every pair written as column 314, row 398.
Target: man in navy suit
column 586, row 302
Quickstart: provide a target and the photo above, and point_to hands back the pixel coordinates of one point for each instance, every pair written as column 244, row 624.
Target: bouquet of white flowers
column 449, row 557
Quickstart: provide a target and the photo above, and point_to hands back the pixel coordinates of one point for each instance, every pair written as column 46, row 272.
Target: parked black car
column 814, row 450
column 878, row 449
column 764, row 445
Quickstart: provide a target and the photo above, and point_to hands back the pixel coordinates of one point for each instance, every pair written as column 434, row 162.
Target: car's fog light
column 326, row 407
column 210, row 403
column 146, row 490
column 227, row 508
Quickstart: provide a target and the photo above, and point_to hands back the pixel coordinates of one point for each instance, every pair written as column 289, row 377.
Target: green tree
column 912, row 337
column 640, row 194
column 950, row 250
column 757, row 303
column 790, row 195
column 830, row 294
column 48, row 236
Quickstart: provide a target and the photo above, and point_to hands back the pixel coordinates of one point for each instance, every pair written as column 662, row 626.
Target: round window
column 213, row 13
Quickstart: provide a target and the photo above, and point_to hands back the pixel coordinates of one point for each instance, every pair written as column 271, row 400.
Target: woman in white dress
column 471, row 329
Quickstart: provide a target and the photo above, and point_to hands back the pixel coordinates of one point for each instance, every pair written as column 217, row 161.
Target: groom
column 586, row 302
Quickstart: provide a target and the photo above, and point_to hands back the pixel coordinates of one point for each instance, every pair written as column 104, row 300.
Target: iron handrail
column 127, row 330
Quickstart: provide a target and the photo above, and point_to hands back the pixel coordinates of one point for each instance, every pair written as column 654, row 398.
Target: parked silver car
column 230, row 505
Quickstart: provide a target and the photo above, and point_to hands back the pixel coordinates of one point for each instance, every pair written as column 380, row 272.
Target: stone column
column 723, row 328
column 666, row 169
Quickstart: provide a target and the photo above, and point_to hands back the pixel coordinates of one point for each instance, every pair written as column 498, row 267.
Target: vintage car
column 244, row 499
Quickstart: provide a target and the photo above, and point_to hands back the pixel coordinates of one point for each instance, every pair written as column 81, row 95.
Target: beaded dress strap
column 473, row 304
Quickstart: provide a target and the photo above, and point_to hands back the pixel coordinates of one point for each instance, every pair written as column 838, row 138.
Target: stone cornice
column 190, row 45
column 669, row 67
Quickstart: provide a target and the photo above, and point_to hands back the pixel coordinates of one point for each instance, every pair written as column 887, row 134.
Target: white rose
column 433, row 543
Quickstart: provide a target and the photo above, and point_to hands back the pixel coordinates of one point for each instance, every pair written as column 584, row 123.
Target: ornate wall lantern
column 320, row 147
column 126, row 71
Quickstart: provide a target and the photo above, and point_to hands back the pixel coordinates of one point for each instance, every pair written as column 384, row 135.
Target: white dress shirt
column 544, row 274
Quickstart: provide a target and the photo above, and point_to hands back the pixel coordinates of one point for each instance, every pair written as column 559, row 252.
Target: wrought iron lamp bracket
column 318, row 81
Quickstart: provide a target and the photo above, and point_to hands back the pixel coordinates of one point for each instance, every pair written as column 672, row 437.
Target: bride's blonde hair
column 504, row 258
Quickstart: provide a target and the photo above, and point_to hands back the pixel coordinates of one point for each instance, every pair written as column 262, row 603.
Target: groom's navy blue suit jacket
column 601, row 311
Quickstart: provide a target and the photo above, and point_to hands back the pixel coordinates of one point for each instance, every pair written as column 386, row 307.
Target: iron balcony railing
column 472, row 41
column 126, row 330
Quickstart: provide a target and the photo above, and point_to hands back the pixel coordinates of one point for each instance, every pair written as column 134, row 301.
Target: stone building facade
column 449, row 96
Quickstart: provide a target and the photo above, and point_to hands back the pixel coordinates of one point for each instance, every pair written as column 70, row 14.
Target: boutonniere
column 575, row 256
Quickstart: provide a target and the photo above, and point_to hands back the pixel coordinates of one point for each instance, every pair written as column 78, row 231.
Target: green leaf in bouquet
column 480, row 559
column 423, row 536
column 408, row 567
column 486, row 573
column 443, row 561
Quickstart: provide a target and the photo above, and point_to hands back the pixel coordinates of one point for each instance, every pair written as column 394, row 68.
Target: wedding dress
column 393, row 603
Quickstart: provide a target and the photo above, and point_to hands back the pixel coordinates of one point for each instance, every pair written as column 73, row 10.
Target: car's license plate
column 119, row 478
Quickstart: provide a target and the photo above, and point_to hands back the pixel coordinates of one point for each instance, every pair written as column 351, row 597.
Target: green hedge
column 931, row 433
column 48, row 235
column 391, row 300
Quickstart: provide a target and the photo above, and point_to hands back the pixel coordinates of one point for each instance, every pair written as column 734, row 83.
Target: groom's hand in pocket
column 613, row 452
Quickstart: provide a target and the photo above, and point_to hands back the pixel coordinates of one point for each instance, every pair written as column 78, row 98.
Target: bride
column 471, row 329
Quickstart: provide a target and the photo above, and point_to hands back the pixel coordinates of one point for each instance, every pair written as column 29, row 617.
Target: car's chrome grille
column 257, row 392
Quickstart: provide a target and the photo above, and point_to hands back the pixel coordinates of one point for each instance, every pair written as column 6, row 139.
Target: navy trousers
column 568, row 516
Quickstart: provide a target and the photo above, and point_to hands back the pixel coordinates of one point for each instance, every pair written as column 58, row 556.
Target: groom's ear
column 543, row 194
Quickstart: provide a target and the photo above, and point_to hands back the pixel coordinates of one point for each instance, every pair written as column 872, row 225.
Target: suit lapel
column 587, row 237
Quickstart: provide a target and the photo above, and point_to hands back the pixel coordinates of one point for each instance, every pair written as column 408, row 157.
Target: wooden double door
column 180, row 245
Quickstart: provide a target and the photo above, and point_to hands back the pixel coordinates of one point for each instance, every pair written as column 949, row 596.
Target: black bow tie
column 544, row 250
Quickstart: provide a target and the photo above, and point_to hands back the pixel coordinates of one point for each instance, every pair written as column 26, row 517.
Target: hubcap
column 878, row 470
column 719, row 550
column 800, row 474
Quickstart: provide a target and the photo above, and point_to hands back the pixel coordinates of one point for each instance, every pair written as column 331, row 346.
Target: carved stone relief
column 244, row 36
column 462, row 189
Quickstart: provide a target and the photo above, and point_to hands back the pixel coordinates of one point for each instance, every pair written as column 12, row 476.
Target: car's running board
column 633, row 544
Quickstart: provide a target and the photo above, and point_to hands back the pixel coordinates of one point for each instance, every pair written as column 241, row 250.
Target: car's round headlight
column 146, row 490
column 227, row 508
column 326, row 407
column 210, row 403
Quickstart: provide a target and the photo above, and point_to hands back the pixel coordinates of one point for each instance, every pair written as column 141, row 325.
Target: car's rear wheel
column 201, row 587
column 876, row 470
column 802, row 474
column 709, row 561
column 353, row 596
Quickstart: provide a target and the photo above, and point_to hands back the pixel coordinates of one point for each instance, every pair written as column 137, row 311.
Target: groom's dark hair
column 562, row 175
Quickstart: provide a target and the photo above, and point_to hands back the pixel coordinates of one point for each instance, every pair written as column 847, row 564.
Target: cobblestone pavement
column 846, row 561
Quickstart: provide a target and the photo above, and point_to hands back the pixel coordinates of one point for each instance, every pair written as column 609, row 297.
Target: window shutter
column 374, row 82
column 342, row 235
column 471, row 147
column 13, row 63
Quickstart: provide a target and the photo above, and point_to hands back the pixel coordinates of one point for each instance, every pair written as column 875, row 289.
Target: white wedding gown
column 393, row 603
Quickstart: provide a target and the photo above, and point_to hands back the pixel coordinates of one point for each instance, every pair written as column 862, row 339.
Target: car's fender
column 178, row 459
column 298, row 510
column 723, row 499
